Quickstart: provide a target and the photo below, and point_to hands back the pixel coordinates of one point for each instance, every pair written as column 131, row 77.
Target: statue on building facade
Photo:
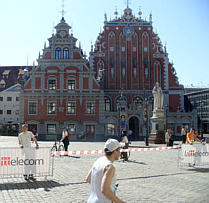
column 158, row 97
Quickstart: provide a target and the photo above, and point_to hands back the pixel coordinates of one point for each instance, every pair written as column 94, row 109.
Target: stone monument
column 158, row 118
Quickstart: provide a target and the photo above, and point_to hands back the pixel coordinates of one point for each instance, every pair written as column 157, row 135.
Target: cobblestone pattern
column 147, row 177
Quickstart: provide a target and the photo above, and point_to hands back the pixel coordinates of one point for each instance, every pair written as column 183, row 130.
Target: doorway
column 134, row 126
column 90, row 132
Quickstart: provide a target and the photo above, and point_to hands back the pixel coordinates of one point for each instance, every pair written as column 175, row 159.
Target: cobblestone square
column 152, row 176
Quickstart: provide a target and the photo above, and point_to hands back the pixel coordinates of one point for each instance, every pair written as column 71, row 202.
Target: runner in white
column 102, row 176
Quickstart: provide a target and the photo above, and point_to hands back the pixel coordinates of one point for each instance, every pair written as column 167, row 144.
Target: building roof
column 196, row 91
column 11, row 75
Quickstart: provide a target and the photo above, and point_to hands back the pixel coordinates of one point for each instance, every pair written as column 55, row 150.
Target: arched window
column 52, row 84
column 107, row 104
column 66, row 53
column 134, row 66
column 58, row 53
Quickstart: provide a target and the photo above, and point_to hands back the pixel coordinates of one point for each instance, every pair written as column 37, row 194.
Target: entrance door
column 134, row 126
column 90, row 132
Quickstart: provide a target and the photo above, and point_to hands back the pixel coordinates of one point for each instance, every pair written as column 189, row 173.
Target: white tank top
column 97, row 173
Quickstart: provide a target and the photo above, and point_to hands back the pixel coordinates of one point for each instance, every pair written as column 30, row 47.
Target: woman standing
column 167, row 137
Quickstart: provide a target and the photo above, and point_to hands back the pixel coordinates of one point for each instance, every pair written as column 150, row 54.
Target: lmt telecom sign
column 8, row 161
column 197, row 154
column 17, row 161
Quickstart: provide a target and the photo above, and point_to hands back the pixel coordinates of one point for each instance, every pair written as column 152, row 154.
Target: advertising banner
column 196, row 154
column 17, row 161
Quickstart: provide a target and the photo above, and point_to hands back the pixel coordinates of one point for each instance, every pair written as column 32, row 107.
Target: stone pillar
column 158, row 121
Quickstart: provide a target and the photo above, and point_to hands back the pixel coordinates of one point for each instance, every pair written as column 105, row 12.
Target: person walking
column 124, row 155
column 183, row 134
column 102, row 175
column 167, row 137
column 65, row 139
column 29, row 153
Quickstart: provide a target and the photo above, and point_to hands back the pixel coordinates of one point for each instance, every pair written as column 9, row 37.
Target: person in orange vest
column 191, row 137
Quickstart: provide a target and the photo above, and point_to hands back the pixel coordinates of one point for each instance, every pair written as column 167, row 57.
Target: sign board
column 197, row 154
column 17, row 161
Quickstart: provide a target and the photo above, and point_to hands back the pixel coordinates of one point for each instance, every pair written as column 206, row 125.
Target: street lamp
column 146, row 122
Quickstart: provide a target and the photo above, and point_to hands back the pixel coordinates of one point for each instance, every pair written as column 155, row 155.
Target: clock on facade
column 62, row 33
column 128, row 31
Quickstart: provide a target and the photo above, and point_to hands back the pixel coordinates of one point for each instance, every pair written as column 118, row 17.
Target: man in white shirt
column 102, row 175
column 25, row 143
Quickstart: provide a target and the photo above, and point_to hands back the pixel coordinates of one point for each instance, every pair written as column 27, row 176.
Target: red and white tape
column 87, row 152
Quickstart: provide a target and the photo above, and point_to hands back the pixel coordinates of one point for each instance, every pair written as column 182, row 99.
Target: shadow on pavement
column 76, row 157
column 136, row 162
column 154, row 176
column 200, row 170
column 44, row 185
column 30, row 185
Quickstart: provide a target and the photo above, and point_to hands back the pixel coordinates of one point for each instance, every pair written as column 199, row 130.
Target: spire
column 140, row 13
column 150, row 17
column 63, row 9
column 91, row 47
column 128, row 3
column 116, row 13
column 105, row 17
column 165, row 47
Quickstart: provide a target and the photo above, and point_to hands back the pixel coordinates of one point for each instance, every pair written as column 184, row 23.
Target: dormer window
column 6, row 73
column 20, row 73
column 2, row 84
column 58, row 53
column 66, row 53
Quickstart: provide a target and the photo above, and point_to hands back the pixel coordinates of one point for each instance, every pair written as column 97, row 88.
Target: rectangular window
column 1, row 98
column 17, row 98
column 71, row 107
column 1, row 111
column 32, row 108
column 71, row 128
column 9, row 98
column 9, row 111
column 110, row 129
column 51, row 129
column 51, row 109
column 71, row 84
column 52, row 84
column 90, row 108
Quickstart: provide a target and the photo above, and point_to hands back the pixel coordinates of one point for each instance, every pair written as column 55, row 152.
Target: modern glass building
column 200, row 101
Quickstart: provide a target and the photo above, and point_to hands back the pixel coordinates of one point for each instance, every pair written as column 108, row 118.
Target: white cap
column 113, row 144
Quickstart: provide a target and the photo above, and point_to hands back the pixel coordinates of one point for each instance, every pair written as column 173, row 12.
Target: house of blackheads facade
column 112, row 90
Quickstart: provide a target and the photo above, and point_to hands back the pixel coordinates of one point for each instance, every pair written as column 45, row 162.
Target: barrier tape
column 88, row 152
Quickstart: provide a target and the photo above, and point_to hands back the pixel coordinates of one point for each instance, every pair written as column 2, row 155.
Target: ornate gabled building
column 111, row 91
column 128, row 58
column 62, row 91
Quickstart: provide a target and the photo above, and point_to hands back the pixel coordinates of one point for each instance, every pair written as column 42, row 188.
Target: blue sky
column 182, row 24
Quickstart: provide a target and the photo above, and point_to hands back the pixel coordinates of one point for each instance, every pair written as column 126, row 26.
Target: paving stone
column 152, row 176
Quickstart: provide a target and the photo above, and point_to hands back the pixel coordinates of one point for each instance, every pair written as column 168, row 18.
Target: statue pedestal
column 157, row 135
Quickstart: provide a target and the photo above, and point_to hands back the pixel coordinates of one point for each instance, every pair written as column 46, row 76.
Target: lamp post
column 200, row 126
column 146, row 122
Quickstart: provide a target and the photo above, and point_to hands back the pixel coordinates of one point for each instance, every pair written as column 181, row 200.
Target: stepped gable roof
column 11, row 75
